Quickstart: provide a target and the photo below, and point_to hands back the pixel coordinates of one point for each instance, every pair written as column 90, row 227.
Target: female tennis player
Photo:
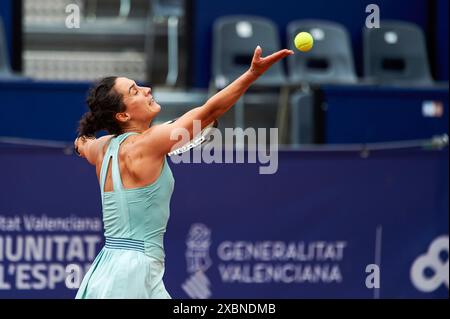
column 135, row 179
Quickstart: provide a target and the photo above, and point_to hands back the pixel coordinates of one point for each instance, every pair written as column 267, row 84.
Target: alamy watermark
column 260, row 147
column 373, row 277
column 373, row 19
column 73, row 18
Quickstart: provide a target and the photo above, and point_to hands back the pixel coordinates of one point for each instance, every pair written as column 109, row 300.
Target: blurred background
column 363, row 133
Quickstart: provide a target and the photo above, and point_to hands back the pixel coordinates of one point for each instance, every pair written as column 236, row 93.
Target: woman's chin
column 156, row 108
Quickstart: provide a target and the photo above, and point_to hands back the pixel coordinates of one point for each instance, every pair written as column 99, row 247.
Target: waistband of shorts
column 124, row 243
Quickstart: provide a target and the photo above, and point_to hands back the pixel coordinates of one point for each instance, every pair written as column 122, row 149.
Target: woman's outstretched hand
column 223, row 100
column 261, row 65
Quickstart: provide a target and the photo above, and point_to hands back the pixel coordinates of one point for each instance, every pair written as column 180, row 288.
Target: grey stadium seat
column 396, row 54
column 329, row 61
column 234, row 41
column 5, row 69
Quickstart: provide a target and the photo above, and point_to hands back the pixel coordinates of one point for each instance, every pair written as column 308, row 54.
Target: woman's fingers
column 258, row 53
column 279, row 55
column 262, row 64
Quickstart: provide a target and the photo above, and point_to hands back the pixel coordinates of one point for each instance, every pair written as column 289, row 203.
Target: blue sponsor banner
column 325, row 225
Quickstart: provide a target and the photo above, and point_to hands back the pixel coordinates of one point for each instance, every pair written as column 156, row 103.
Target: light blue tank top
column 136, row 218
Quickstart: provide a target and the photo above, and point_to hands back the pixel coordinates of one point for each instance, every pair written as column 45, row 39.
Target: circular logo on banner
column 429, row 271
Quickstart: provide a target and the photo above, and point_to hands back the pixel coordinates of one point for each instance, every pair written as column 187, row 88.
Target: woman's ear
column 123, row 117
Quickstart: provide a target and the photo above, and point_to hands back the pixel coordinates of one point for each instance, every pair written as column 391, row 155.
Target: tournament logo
column 198, row 241
column 432, row 261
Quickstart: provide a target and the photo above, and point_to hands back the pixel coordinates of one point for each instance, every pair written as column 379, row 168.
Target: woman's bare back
column 136, row 169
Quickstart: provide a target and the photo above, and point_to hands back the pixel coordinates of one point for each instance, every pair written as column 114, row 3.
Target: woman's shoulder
column 102, row 146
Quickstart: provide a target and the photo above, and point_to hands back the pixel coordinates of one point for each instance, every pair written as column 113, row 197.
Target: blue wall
column 51, row 110
column 388, row 113
column 40, row 109
column 350, row 13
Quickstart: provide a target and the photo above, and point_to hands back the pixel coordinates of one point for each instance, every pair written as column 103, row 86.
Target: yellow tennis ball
column 304, row 41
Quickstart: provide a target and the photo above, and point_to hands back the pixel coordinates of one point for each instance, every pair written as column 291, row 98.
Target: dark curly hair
column 104, row 103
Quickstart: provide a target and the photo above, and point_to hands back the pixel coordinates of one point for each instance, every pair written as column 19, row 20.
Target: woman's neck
column 138, row 128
